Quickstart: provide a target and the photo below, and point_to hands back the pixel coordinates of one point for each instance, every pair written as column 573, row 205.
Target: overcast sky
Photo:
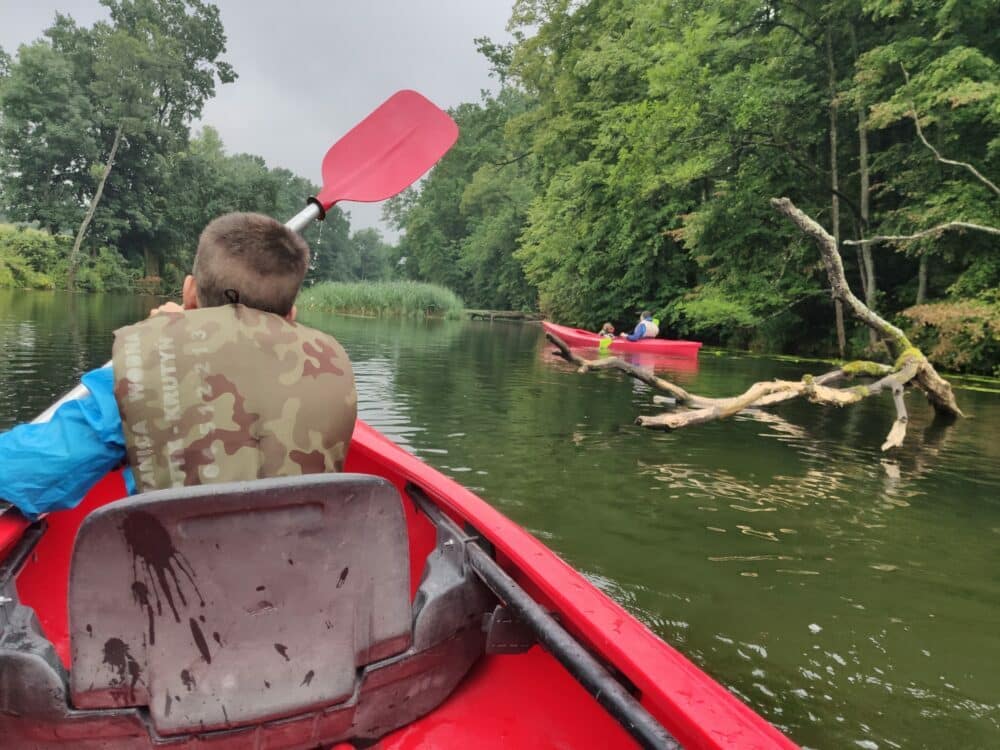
column 308, row 71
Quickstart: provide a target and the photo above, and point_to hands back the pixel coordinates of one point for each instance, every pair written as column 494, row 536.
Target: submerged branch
column 692, row 409
column 614, row 363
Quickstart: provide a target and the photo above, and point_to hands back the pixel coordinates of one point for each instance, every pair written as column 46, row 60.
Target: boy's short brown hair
column 251, row 259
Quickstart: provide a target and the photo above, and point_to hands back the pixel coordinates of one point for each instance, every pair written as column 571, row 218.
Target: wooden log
column 492, row 315
column 700, row 409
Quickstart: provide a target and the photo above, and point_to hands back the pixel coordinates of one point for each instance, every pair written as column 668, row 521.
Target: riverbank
column 408, row 299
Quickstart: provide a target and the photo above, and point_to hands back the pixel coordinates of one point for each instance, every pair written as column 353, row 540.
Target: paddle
column 382, row 155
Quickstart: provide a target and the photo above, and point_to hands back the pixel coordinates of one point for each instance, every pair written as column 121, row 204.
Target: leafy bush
column 383, row 298
column 34, row 259
column 959, row 336
column 108, row 271
column 24, row 253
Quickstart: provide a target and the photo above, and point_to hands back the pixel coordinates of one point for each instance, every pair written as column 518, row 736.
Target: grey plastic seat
column 222, row 605
column 270, row 614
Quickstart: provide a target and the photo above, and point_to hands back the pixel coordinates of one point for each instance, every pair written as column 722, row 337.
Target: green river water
column 850, row 597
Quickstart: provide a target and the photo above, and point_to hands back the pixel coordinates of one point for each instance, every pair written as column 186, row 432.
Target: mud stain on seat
column 140, row 593
column 199, row 640
column 152, row 548
column 120, row 660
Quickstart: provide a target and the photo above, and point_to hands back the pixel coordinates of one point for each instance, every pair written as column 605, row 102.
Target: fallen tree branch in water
column 910, row 367
column 700, row 409
column 934, row 387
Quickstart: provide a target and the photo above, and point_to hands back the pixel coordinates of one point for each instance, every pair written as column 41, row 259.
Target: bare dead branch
column 898, row 432
column 614, row 363
column 720, row 410
column 937, row 154
column 702, row 409
column 838, row 281
column 935, row 231
column 937, row 389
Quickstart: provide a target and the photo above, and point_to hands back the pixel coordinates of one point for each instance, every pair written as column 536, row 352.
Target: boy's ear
column 291, row 314
column 189, row 293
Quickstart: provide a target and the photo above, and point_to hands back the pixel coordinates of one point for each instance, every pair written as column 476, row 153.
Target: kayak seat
column 275, row 613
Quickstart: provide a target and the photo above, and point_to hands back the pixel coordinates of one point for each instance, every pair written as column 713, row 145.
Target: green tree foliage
column 205, row 181
column 126, row 89
column 462, row 230
column 628, row 159
column 372, row 255
column 25, row 255
column 147, row 73
column 47, row 142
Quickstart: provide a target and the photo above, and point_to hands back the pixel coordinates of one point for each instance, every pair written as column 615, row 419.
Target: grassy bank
column 382, row 298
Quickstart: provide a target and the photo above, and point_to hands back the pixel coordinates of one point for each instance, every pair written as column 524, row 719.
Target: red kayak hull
column 526, row 700
column 577, row 337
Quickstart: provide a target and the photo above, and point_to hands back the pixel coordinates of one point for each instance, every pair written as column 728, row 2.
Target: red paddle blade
column 387, row 151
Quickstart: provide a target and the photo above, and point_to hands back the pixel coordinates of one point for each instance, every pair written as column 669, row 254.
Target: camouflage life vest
column 231, row 394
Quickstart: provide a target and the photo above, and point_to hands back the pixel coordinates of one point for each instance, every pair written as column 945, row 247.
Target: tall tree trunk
column 922, row 280
column 151, row 263
column 867, row 261
column 835, row 185
column 74, row 254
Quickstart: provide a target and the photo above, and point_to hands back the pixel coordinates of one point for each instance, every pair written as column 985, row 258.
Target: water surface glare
column 849, row 596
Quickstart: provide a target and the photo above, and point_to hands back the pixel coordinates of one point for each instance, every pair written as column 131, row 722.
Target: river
column 851, row 597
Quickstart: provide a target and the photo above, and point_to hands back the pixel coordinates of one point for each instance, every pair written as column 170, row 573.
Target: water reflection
column 850, row 596
column 49, row 339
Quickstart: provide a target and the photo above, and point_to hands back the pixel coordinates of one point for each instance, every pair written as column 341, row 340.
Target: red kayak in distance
column 387, row 607
column 577, row 337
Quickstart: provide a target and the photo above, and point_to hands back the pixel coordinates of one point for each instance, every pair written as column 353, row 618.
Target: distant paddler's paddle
column 382, row 155
column 379, row 157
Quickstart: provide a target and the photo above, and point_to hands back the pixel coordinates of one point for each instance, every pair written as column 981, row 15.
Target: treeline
column 628, row 158
column 96, row 152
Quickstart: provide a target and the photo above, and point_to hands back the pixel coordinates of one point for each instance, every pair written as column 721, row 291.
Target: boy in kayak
column 645, row 329
column 607, row 331
column 226, row 387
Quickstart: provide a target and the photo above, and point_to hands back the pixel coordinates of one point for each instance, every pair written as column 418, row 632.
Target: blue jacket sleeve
column 637, row 333
column 51, row 465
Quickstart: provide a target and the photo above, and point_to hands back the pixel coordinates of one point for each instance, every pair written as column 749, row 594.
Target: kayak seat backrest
column 223, row 605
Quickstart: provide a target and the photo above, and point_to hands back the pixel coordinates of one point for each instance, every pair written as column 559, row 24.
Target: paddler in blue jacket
column 645, row 329
column 226, row 388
